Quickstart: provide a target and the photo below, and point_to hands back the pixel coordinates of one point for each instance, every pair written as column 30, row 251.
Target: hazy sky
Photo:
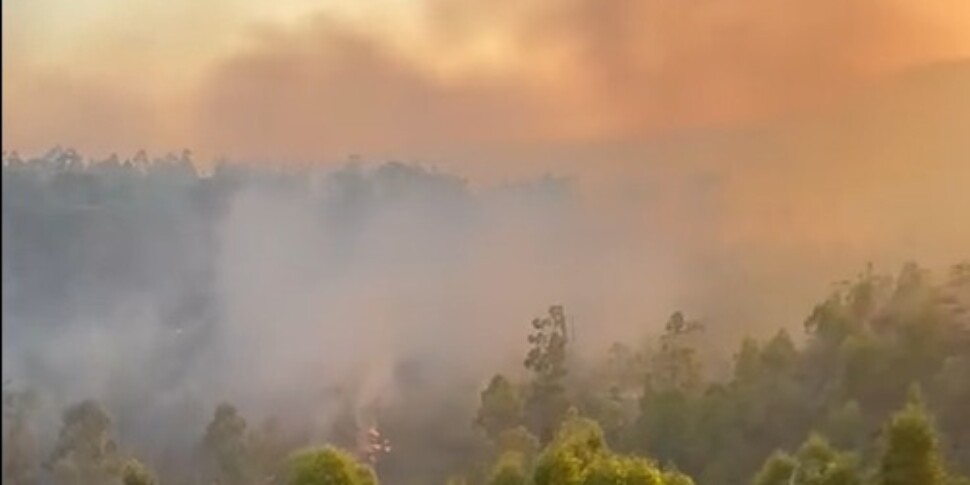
column 305, row 79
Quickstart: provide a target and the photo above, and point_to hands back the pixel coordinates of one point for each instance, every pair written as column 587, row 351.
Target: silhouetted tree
column 546, row 400
column 226, row 447
column 500, row 409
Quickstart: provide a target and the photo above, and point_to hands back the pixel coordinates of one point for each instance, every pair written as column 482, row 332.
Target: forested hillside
column 151, row 371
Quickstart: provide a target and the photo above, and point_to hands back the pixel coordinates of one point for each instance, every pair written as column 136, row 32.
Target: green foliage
column 328, row 466
column 911, row 450
column 863, row 346
column 846, row 426
column 613, row 469
column 816, row 463
column 500, row 409
column 671, row 395
column 779, row 469
column 509, row 469
column 559, row 467
column 611, row 395
column 134, row 473
column 579, row 456
column 577, row 444
column 819, row 464
column 85, row 452
column 667, row 424
column 747, row 362
column 674, row 477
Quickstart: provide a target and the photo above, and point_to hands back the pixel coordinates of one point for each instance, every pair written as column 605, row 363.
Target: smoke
column 328, row 90
column 728, row 158
column 559, row 72
column 296, row 293
column 453, row 78
column 291, row 295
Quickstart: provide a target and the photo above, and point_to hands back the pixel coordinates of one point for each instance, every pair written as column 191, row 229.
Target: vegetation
column 328, row 466
column 134, row 473
column 911, row 453
column 872, row 390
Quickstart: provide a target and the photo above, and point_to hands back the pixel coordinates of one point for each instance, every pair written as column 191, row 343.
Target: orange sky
column 304, row 79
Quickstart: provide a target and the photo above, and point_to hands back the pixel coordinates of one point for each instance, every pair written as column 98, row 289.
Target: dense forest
column 872, row 388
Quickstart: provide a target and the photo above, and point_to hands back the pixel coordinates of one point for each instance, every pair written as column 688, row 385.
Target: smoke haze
column 728, row 158
column 307, row 83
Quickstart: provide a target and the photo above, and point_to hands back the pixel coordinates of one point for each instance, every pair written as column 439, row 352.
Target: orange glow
column 491, row 72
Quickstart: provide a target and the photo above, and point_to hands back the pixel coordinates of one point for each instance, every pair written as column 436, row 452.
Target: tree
column 779, row 469
column 85, row 452
column 674, row 477
column 676, row 366
column 579, row 456
column 328, row 466
column 625, row 367
column 671, row 393
column 613, row 469
column 846, row 426
column 500, row 409
column 578, row 442
column 509, row 469
column 816, row 463
column 518, row 440
column 226, row 447
column 610, row 394
column 747, row 363
column 134, row 473
column 547, row 402
column 911, row 453
column 18, row 442
column 820, row 464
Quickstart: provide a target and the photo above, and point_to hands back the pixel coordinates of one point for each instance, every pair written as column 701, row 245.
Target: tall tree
column 671, row 393
column 547, row 403
column 225, row 447
column 911, row 455
column 500, row 409
column 86, row 452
